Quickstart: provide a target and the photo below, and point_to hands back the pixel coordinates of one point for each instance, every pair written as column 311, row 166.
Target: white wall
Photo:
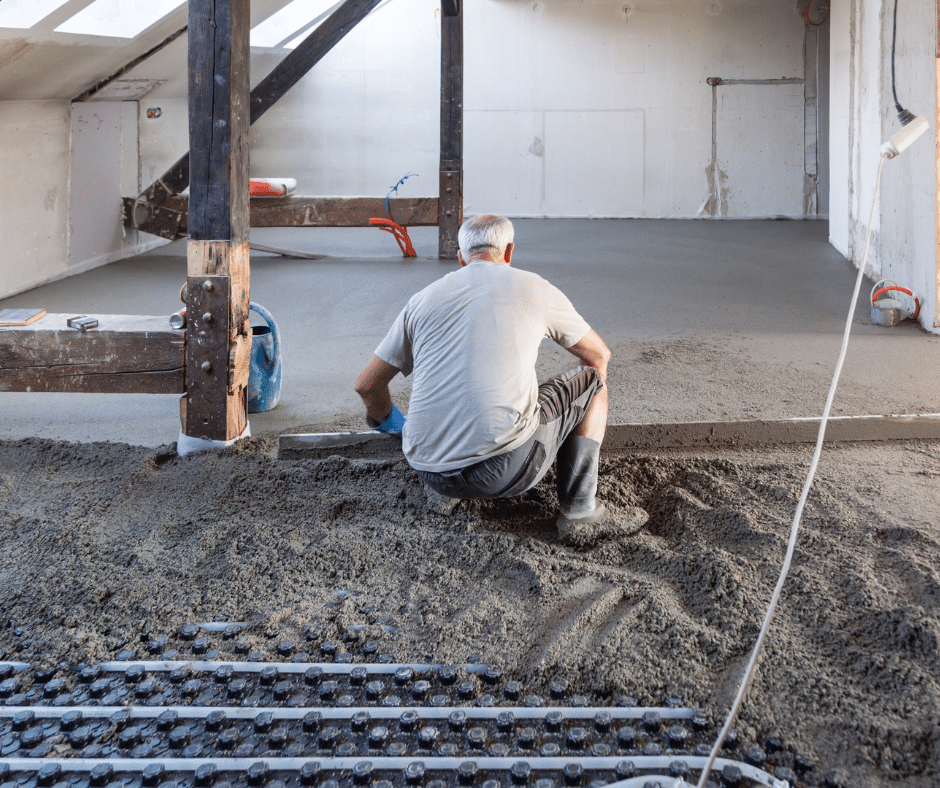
column 366, row 115
column 584, row 109
column 34, row 197
column 571, row 109
column 862, row 118
column 164, row 139
column 104, row 162
column 63, row 171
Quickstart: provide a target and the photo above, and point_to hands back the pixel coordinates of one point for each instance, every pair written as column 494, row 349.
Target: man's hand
column 393, row 425
column 372, row 387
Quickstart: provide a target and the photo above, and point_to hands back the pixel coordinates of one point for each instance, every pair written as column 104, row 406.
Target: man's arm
column 592, row 351
column 372, row 387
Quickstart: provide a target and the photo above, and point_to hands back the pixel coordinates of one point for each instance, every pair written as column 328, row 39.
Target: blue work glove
column 393, row 425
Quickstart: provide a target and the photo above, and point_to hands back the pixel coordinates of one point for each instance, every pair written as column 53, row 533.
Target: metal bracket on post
column 207, row 356
column 450, row 209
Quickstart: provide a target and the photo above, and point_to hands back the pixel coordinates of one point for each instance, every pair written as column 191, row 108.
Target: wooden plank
column 328, row 211
column 281, row 79
column 169, row 220
column 450, row 208
column 126, row 354
column 218, row 121
column 341, row 211
column 294, row 253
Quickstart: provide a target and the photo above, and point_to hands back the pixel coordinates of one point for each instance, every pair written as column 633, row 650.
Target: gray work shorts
column 562, row 402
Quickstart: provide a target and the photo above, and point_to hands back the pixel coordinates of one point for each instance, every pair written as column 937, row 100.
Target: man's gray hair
column 487, row 231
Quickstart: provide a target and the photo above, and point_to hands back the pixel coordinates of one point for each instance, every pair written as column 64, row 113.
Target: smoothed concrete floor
column 708, row 320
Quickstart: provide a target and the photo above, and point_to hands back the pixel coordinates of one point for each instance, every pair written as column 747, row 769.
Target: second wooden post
column 450, row 209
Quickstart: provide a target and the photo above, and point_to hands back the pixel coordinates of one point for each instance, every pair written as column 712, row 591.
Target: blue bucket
column 264, row 373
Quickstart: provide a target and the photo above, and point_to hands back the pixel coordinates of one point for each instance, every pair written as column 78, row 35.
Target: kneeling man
column 479, row 425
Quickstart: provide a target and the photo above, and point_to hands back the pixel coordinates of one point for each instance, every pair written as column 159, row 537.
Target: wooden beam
column 170, row 219
column 219, row 335
column 342, row 211
column 450, row 209
column 125, row 354
column 127, row 67
column 316, row 212
column 160, row 219
column 281, row 79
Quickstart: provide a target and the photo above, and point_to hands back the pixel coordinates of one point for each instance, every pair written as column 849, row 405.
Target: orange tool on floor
column 400, row 233
column 390, row 226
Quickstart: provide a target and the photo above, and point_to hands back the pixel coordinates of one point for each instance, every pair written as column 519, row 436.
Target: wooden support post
column 936, row 283
column 451, row 173
column 219, row 336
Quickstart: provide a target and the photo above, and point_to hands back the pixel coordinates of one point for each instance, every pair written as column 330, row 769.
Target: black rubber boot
column 576, row 475
column 583, row 521
column 440, row 504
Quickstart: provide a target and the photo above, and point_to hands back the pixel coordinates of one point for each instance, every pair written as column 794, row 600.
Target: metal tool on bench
column 82, row 322
column 178, row 319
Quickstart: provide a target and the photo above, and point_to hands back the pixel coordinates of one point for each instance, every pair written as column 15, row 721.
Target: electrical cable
column 904, row 115
column 794, row 530
column 897, row 289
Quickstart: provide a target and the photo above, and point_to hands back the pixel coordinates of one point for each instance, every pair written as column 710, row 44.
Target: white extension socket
column 900, row 141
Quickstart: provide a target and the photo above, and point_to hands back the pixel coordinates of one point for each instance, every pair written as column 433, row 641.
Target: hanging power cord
column 735, row 708
column 912, row 127
column 904, row 115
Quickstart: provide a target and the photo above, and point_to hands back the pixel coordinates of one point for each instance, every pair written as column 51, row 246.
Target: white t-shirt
column 471, row 339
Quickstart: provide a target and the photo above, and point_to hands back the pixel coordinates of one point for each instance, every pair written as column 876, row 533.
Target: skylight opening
column 118, row 18
column 23, row 14
column 298, row 17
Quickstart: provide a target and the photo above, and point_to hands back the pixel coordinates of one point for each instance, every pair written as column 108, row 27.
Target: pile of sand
column 103, row 541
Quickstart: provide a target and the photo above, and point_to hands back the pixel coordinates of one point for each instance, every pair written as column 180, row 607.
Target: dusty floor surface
column 102, row 541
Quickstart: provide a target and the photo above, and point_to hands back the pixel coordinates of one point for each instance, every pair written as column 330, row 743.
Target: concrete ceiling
column 41, row 64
